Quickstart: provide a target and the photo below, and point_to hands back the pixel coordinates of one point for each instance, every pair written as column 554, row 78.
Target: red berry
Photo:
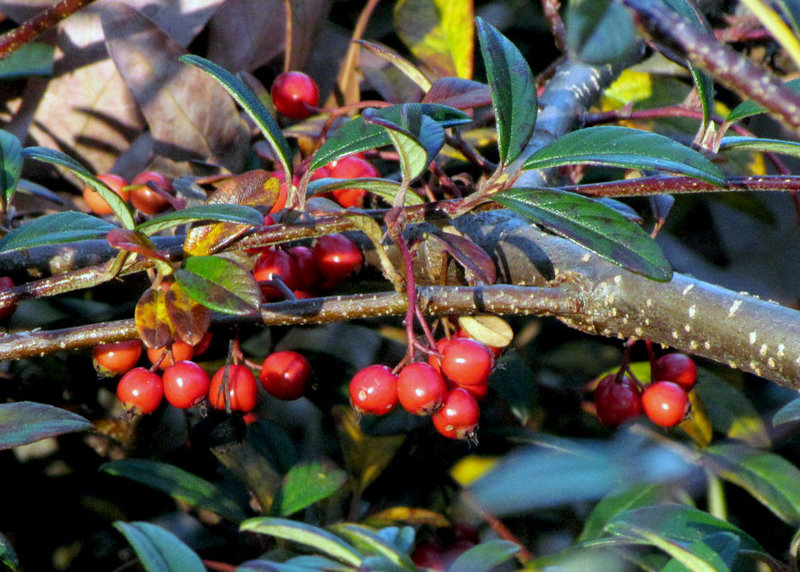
column 374, row 390
column 185, row 384
column 292, row 91
column 202, row 346
column 146, row 199
column 665, row 403
column 6, row 312
column 458, row 417
column 116, row 358
column 352, row 167
column 467, row 362
column 421, row 389
column 337, row 257
column 275, row 262
column 178, row 351
column 240, row 385
column 436, row 361
column 285, row 375
column 98, row 204
column 308, row 275
column 617, row 402
column 140, row 390
column 677, row 368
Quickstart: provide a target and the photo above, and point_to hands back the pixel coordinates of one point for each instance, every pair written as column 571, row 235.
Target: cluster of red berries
column 307, row 270
column 138, row 193
column 665, row 401
column 447, row 388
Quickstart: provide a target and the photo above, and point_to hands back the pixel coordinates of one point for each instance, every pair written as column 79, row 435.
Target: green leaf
column 34, row 58
column 748, row 108
column 599, row 31
column 53, row 157
column 485, row 556
column 158, row 549
column 25, row 422
column 370, row 542
column 592, row 225
column 56, row 228
column 770, row 478
column 445, row 43
column 178, row 484
column 10, row 164
column 721, row 548
column 398, row 61
column 211, row 213
column 250, row 103
column 8, row 556
column 628, row 148
column 617, row 502
column 759, row 145
column 220, row 284
column 311, row 536
column 358, row 135
column 307, row 483
column 513, row 91
column 381, row 187
column 789, row 413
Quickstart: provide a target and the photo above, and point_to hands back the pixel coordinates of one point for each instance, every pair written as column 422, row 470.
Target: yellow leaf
column 471, row 468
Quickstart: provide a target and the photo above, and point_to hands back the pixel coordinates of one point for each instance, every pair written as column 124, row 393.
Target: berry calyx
column 466, row 362
column 146, row 199
column 337, row 258
column 374, row 390
column 458, row 417
column 665, row 403
column 285, row 375
column 140, row 390
column 421, row 389
column 98, row 204
column 116, row 358
column 677, row 368
column 270, row 264
column 617, row 400
column 185, row 384
column 6, row 283
column 352, row 167
column 238, row 383
column 292, row 92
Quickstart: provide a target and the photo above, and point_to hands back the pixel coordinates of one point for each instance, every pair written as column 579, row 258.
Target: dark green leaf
column 485, row 556
column 381, row 187
column 33, row 58
column 8, row 556
column 369, row 542
column 513, row 91
column 307, row 483
column 305, row 534
column 789, row 413
column 10, row 164
column 210, row 213
column 158, row 549
column 599, row 31
column 120, row 208
column 791, row 148
column 592, row 225
column 56, row 228
column 358, row 135
column 220, row 284
column 625, row 147
column 516, row 384
column 749, row 107
column 637, row 496
column 25, row 422
column 178, row 484
column 251, row 104
column 770, row 478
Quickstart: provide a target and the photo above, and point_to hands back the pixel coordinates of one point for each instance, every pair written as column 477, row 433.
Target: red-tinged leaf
column 459, row 93
column 245, row 48
column 25, row 422
column 472, row 257
column 221, row 285
column 133, row 241
column 189, row 319
column 152, row 319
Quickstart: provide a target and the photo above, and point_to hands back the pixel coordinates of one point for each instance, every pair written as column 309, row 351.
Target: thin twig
column 33, row 28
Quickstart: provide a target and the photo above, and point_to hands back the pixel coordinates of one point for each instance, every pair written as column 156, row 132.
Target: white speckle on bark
column 771, row 363
column 762, row 351
column 752, row 336
column 618, row 279
column 781, row 350
column 586, row 257
column 734, row 307
column 675, row 334
column 733, row 364
column 688, row 289
column 693, row 345
column 687, row 327
column 692, row 310
column 707, row 345
column 638, row 331
column 649, row 302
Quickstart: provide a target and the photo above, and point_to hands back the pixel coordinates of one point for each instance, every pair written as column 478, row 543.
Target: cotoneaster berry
column 466, row 362
column 352, row 167
column 272, row 263
column 617, row 401
column 146, row 199
column 178, row 351
column 308, row 275
column 185, row 384
column 241, row 388
column 458, row 416
column 337, row 258
column 665, row 403
column 117, row 357
column 677, row 368
column 421, row 389
column 98, row 204
column 285, row 375
column 140, row 390
column 374, row 390
column 6, row 283
column 292, row 92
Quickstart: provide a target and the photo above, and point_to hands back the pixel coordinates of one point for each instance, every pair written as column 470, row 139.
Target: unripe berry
column 665, row 403
column 617, row 401
column 374, row 390
column 140, row 390
column 285, row 375
column 292, row 92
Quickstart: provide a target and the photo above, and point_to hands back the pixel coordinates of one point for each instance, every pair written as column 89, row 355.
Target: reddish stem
column 31, row 29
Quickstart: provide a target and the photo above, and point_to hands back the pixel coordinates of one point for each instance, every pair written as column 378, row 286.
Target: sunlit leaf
column 475, row 260
column 307, row 483
column 220, row 284
column 791, row 11
column 190, row 319
column 177, row 483
column 56, row 228
column 593, row 226
column 697, row 424
column 133, row 241
column 407, row 515
column 369, row 541
column 459, row 93
column 405, row 66
column 599, row 31
column 158, row 549
column 240, row 214
column 791, row 148
column 617, row 502
column 10, row 163
column 382, row 187
column 625, row 147
column 488, row 329
column 25, row 422
column 749, row 107
column 485, row 556
column 152, row 320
